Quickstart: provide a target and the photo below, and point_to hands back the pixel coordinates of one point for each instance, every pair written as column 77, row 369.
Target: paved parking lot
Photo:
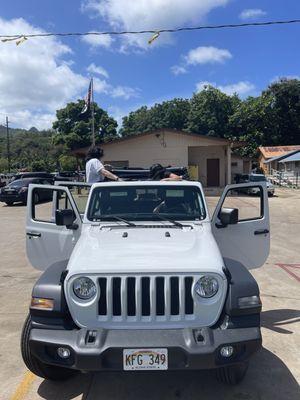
column 274, row 373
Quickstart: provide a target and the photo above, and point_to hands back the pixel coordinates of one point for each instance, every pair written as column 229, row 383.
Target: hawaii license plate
column 145, row 359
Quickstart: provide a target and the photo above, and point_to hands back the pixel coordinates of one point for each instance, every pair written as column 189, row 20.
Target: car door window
column 80, row 195
column 248, row 201
column 43, row 199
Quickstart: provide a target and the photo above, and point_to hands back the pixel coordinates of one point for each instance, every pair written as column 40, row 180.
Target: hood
column 138, row 250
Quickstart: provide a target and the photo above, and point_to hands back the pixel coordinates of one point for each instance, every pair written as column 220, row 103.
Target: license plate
column 145, row 359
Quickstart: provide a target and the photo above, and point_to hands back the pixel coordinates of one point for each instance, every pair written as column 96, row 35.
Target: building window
column 234, row 164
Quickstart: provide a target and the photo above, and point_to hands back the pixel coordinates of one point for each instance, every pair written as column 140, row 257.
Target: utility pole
column 93, row 114
column 7, row 145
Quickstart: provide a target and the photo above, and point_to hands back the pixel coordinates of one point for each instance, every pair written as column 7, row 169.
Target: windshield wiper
column 119, row 219
column 178, row 224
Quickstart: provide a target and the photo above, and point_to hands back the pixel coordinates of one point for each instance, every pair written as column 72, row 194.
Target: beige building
column 240, row 165
column 209, row 158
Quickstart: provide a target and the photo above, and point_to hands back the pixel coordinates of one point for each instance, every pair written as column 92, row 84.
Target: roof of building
column 159, row 131
column 281, row 157
column 277, row 151
column 293, row 157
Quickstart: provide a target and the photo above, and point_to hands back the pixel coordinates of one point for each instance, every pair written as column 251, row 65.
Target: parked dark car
column 17, row 190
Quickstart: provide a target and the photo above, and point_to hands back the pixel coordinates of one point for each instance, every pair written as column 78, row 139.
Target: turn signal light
column 39, row 303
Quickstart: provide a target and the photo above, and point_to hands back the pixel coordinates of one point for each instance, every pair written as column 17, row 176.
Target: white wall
column 168, row 148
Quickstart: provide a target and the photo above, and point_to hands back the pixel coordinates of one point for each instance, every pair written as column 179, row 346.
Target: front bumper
column 15, row 198
column 187, row 348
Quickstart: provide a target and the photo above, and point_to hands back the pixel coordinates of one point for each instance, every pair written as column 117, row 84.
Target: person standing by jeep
column 94, row 169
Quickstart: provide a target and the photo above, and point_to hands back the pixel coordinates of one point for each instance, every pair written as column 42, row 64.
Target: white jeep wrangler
column 138, row 277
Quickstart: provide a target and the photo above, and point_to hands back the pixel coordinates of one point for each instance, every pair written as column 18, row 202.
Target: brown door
column 213, row 172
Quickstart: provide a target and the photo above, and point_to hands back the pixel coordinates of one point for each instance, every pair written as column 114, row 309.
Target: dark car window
column 20, row 183
column 257, row 178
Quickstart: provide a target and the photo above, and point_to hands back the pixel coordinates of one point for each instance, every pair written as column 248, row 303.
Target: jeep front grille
column 146, row 298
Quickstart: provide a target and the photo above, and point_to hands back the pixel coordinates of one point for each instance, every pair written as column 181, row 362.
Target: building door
column 213, row 172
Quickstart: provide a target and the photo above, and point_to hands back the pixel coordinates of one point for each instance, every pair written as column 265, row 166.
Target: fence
column 285, row 178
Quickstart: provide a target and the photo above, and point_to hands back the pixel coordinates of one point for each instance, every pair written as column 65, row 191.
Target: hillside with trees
column 272, row 118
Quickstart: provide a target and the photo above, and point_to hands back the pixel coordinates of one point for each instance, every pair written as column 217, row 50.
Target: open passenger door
column 241, row 224
column 53, row 225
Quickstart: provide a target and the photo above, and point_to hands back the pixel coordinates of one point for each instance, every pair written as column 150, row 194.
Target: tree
column 3, row 165
column 38, row 165
column 210, row 111
column 74, row 129
column 284, row 96
column 67, row 163
column 251, row 123
column 271, row 119
column 170, row 114
column 136, row 122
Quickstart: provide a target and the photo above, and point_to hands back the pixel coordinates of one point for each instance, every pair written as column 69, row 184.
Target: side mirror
column 65, row 218
column 228, row 216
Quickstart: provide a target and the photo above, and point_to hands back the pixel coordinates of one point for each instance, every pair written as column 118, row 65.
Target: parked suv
column 144, row 279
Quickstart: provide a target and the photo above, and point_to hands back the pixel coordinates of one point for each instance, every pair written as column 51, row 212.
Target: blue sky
column 39, row 76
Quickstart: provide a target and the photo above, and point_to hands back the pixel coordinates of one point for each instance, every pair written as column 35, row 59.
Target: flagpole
column 93, row 114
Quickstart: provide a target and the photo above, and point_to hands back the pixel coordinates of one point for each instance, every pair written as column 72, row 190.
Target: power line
column 149, row 31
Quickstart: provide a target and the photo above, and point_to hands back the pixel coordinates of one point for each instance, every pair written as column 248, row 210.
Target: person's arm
column 173, row 177
column 108, row 174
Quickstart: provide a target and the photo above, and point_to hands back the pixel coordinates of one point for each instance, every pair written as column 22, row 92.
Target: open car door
column 53, row 225
column 241, row 224
column 80, row 192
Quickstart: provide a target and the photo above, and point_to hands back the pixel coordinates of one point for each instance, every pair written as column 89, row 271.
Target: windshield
column 20, row 183
column 257, row 178
column 146, row 203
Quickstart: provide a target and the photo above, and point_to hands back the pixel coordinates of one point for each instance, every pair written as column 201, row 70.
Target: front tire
column 35, row 365
column 9, row 203
column 232, row 374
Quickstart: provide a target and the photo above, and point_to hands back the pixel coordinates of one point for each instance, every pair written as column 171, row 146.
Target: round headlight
column 206, row 286
column 84, row 288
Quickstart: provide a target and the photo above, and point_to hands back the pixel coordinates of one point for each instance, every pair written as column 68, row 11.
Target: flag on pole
column 88, row 99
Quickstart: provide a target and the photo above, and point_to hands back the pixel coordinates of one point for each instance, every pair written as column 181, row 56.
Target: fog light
column 63, row 352
column 226, row 351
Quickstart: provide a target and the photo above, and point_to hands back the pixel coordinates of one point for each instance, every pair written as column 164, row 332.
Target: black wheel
column 232, row 374
column 36, row 366
column 270, row 194
column 9, row 203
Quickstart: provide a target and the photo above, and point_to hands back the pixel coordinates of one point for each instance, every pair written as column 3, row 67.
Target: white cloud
column 178, row 70
column 101, row 86
column 207, row 55
column 241, row 88
column 95, row 41
column 199, row 56
column 251, row 13
column 149, row 14
column 124, row 92
column 98, row 70
column 35, row 77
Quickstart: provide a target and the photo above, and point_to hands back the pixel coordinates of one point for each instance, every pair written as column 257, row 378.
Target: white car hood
column 145, row 250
